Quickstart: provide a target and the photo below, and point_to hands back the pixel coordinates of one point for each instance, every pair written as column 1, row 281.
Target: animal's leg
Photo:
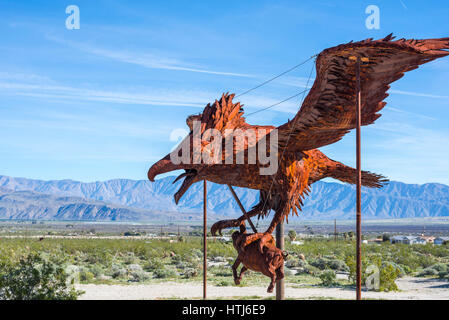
column 280, row 272
column 233, row 223
column 273, row 280
column 242, row 271
column 234, row 270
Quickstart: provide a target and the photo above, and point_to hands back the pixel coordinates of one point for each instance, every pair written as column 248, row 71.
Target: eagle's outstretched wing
column 328, row 112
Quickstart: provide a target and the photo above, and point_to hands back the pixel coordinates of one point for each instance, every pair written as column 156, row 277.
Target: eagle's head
column 195, row 153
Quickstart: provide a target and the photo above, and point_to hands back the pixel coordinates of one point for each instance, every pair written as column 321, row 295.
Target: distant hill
column 124, row 199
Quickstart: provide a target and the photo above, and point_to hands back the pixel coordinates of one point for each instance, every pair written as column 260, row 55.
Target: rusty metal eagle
column 326, row 115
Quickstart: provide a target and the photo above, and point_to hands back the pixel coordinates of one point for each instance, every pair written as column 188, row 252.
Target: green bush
column 329, row 263
column 35, row 278
column 117, row 272
column 86, row 276
column 190, row 273
column 164, row 273
column 328, row 278
column 96, row 270
column 388, row 271
column 437, row 269
column 139, row 276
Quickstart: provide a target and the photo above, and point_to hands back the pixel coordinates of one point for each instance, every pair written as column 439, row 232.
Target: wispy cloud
column 51, row 90
column 156, row 97
column 418, row 94
column 146, row 60
column 410, row 113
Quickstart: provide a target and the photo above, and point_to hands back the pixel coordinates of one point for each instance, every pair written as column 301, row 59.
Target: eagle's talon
column 223, row 224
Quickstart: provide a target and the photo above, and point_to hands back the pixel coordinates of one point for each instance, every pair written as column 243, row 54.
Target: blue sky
column 102, row 102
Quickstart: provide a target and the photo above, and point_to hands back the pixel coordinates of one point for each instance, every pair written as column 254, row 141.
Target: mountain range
column 141, row 200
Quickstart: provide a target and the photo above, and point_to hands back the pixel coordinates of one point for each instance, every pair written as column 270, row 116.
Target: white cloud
column 146, row 60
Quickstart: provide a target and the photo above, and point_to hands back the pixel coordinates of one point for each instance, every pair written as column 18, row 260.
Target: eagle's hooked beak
column 165, row 165
column 162, row 166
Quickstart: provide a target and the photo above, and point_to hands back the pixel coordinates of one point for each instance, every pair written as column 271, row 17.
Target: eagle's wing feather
column 328, row 112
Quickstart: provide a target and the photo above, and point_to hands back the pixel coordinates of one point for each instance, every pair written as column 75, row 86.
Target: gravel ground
column 411, row 289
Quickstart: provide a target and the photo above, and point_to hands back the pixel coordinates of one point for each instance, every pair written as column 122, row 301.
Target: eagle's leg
column 234, row 223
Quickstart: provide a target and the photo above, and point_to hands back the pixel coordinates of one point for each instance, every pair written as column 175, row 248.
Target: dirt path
column 411, row 288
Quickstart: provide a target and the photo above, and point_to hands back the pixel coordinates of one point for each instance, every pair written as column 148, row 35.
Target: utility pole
column 280, row 286
column 335, row 230
column 204, row 240
column 359, row 183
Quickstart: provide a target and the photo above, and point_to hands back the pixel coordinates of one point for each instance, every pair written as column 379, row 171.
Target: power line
column 278, row 103
column 275, row 77
column 288, row 138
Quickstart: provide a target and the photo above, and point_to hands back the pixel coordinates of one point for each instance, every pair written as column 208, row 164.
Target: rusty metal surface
column 242, row 208
column 204, row 239
column 326, row 115
column 280, row 284
column 269, row 262
column 359, row 184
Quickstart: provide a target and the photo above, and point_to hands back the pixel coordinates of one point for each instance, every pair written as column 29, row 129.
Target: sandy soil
column 411, row 288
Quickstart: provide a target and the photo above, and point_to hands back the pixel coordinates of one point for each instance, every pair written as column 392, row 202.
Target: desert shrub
column 388, row 271
column 139, row 275
column 164, row 273
column 328, row 278
column 295, row 263
column 134, row 268
column 190, row 273
column 35, row 278
column 338, row 265
column 400, row 270
column 292, row 235
column 85, row 275
column 117, row 272
column 130, row 258
column 96, row 270
column 154, row 264
column 388, row 274
column 439, row 267
column 428, row 272
column 309, row 269
column 329, row 263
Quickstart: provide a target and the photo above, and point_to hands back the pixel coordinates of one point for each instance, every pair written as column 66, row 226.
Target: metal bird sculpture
column 326, row 115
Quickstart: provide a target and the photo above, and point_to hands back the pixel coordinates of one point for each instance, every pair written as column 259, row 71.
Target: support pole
column 335, row 230
column 280, row 287
column 359, row 185
column 204, row 240
column 242, row 208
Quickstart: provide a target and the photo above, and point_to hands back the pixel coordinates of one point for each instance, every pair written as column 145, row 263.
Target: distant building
column 407, row 240
column 420, row 240
column 376, row 240
column 441, row 240
column 298, row 243
column 429, row 239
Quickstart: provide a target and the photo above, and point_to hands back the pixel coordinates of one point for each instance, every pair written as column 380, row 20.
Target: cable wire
column 278, row 103
column 275, row 77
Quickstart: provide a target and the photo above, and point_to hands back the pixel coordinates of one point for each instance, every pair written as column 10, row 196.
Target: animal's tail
column 347, row 174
